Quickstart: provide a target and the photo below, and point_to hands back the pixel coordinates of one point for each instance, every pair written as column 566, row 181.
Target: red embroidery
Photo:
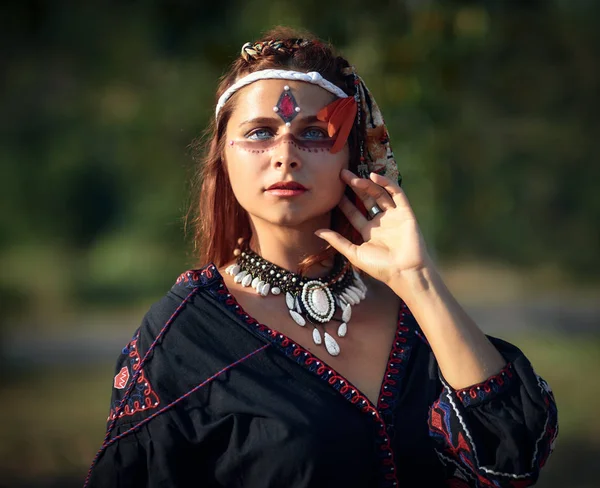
column 142, row 397
column 436, row 420
column 121, row 378
column 493, row 384
column 323, row 371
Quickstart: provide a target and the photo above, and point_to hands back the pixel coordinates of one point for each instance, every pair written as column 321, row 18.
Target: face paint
column 287, row 107
column 264, row 145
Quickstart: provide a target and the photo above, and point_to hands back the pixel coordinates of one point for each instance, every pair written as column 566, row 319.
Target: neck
column 287, row 247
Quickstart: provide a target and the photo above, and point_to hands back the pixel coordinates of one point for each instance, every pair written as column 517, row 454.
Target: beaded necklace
column 309, row 300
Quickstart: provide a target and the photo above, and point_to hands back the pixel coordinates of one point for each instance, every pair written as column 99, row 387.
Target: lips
column 287, row 185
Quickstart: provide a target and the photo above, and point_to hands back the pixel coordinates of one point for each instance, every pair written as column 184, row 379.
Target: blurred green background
column 492, row 108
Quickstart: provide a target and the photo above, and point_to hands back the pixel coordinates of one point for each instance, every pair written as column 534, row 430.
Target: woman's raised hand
column 393, row 244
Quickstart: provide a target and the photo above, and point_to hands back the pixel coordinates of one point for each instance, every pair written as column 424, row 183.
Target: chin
column 296, row 218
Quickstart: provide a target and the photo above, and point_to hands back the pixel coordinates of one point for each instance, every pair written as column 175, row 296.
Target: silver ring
column 374, row 210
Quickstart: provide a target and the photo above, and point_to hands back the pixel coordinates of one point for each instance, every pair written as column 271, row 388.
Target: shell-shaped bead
column 361, row 294
column 347, row 313
column 259, row 286
column 331, row 345
column 240, row 276
column 317, row 336
column 289, row 300
column 247, row 280
column 348, row 298
column 298, row 318
column 264, row 291
column 255, row 282
column 275, row 290
column 352, row 294
column 359, row 283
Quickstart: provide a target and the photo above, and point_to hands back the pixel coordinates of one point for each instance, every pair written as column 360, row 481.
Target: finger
column 339, row 243
column 354, row 216
column 393, row 189
column 368, row 191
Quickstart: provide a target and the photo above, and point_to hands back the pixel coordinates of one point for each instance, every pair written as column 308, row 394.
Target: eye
column 259, row 134
column 315, row 133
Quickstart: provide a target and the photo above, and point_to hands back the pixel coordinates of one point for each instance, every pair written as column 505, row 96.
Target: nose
column 287, row 155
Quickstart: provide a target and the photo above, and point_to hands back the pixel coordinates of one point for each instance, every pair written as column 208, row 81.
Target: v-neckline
column 389, row 385
column 381, row 415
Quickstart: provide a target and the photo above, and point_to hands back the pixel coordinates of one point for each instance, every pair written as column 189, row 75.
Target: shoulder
column 196, row 295
column 185, row 337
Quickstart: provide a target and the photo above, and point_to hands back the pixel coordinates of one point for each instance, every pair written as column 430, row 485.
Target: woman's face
column 267, row 147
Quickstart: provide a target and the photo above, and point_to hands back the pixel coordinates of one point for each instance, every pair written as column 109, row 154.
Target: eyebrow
column 309, row 119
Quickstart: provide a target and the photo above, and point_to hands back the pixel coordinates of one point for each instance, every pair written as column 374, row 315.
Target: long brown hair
column 218, row 219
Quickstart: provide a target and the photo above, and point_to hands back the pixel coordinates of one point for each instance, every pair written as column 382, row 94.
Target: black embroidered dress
column 205, row 396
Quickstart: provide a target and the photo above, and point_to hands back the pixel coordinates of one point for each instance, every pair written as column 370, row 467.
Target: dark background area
column 492, row 108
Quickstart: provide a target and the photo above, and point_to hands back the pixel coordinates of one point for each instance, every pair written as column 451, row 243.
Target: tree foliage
column 492, row 108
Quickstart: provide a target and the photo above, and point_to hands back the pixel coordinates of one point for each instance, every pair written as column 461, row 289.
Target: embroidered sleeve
column 498, row 433
column 141, row 396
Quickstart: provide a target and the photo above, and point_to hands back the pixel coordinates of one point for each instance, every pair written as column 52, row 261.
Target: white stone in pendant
column 255, row 282
column 342, row 329
column 298, row 307
column 275, row 290
column 347, row 313
column 317, row 336
column 298, row 318
column 320, row 302
column 353, row 295
column 247, row 280
column 235, row 269
column 331, row 345
column 265, row 289
column 259, row 286
column 240, row 276
column 289, row 300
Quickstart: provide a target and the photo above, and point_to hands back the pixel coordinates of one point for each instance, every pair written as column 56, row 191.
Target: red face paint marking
column 261, row 146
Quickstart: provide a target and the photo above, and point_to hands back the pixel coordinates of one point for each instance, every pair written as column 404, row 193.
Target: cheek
column 245, row 175
column 330, row 187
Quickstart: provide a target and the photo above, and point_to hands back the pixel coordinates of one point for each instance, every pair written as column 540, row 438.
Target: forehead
column 259, row 98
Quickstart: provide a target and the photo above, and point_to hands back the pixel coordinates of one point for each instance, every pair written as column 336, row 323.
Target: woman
column 319, row 345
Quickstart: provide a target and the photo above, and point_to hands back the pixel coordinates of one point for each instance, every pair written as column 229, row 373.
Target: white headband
column 279, row 74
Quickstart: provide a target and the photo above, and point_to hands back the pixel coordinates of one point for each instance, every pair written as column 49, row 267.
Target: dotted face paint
column 259, row 146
